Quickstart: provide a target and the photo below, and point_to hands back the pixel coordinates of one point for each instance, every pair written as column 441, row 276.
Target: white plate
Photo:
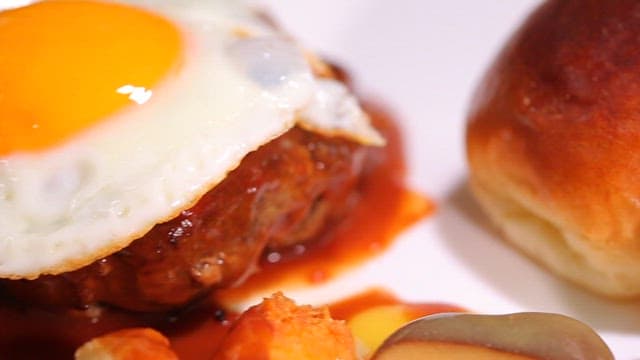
column 423, row 59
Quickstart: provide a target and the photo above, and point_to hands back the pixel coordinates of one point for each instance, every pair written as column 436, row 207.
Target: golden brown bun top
column 558, row 118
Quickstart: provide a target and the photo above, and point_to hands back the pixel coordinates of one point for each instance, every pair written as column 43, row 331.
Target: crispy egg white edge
column 65, row 207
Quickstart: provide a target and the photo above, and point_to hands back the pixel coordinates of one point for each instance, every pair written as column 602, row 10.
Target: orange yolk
column 66, row 65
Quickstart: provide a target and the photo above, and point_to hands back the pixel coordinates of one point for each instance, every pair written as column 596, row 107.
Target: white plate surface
column 423, row 59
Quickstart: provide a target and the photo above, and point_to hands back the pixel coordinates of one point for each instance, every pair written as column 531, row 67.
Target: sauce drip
column 385, row 208
column 347, row 308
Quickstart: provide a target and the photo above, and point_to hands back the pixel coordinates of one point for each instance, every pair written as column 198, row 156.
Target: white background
column 423, row 59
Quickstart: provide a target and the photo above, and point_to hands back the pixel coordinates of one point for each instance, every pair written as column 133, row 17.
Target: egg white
column 65, row 207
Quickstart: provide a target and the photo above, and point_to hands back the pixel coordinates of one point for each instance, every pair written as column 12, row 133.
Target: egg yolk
column 66, row 65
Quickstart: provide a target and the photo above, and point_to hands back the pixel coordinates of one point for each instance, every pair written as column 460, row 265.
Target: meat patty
column 282, row 194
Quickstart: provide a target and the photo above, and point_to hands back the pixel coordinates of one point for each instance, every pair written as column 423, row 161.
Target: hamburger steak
column 280, row 195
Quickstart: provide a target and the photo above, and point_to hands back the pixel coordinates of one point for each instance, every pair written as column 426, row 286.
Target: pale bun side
column 553, row 142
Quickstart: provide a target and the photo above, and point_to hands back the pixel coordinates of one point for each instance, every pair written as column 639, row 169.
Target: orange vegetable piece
column 128, row 344
column 278, row 329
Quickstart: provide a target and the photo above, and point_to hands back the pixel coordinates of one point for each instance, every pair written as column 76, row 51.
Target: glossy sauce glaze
column 384, row 208
column 345, row 309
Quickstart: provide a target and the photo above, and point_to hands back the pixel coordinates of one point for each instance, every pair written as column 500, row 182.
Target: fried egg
column 117, row 115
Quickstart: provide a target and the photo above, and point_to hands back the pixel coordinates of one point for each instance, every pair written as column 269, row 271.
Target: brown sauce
column 385, row 208
column 345, row 309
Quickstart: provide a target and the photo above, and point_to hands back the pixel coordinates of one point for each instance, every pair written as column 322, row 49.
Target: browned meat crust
column 282, row 194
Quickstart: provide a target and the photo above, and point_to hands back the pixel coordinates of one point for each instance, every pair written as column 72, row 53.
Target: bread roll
column 553, row 142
